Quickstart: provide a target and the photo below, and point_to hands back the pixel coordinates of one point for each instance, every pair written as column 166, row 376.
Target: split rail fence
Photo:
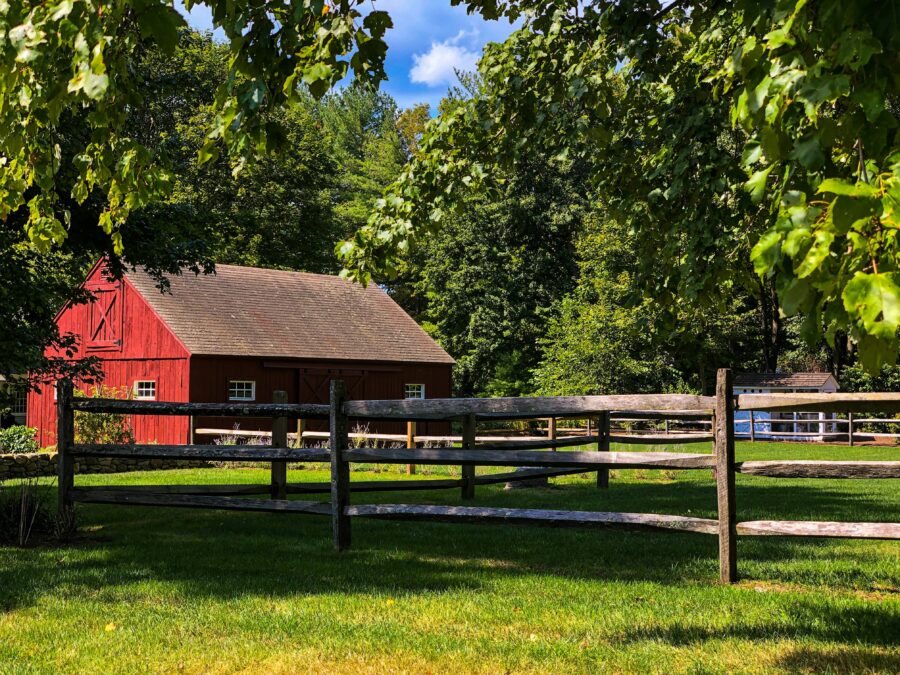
column 538, row 458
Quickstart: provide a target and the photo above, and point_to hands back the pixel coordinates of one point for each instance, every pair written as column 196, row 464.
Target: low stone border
column 33, row 465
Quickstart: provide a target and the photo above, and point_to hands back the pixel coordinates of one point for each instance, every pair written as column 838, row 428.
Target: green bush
column 18, row 439
column 104, row 428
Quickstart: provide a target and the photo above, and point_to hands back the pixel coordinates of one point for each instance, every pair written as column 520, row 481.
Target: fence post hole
column 410, row 443
column 724, row 446
column 279, row 440
column 603, row 433
column 752, row 428
column 849, row 428
column 468, row 471
column 340, row 469
column 65, row 438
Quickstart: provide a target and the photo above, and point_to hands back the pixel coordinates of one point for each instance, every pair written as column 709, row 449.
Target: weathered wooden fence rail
column 677, row 427
column 534, row 457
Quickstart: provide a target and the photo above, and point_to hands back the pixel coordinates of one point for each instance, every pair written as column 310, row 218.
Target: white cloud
column 439, row 64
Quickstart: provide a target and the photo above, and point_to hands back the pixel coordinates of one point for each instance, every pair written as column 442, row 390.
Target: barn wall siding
column 135, row 345
column 308, row 382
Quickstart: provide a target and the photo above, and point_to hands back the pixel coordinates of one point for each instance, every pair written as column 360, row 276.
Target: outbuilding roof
column 782, row 380
column 248, row 311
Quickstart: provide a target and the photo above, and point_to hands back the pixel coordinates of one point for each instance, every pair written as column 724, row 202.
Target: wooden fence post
column 301, row 427
column 65, row 438
column 850, row 429
column 340, row 469
column 410, row 443
column 279, row 440
column 551, row 429
column 468, row 471
column 724, row 446
column 603, row 433
column 752, row 428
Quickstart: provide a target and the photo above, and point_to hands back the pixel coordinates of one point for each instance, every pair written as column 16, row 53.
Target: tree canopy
column 765, row 130
column 749, row 144
column 284, row 210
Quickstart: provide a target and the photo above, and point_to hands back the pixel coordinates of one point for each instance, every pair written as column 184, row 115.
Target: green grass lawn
column 161, row 590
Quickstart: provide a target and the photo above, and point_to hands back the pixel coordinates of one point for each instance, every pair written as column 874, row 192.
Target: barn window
column 414, row 391
column 20, row 404
column 241, row 390
column 145, row 390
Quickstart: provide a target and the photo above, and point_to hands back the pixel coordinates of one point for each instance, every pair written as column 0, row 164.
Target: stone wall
column 36, row 464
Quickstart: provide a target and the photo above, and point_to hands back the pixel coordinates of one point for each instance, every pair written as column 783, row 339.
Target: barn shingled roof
column 781, row 380
column 247, row 311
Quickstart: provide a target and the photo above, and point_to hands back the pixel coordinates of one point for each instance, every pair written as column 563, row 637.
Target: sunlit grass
column 155, row 589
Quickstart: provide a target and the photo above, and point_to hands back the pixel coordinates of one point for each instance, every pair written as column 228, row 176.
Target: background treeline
column 531, row 287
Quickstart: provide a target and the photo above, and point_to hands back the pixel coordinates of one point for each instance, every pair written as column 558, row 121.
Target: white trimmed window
column 20, row 402
column 145, row 390
column 414, row 391
column 241, row 390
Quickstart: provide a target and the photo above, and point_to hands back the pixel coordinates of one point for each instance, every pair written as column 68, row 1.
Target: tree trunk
column 770, row 325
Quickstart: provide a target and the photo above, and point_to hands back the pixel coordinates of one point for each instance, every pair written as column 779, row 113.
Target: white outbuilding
column 792, row 426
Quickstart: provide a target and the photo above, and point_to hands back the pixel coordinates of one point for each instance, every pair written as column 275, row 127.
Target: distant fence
column 538, row 457
column 664, row 427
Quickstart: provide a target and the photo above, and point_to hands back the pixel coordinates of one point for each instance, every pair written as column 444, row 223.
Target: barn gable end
column 133, row 343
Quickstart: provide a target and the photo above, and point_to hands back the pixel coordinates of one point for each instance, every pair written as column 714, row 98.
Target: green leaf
column 845, row 211
column 797, row 240
column 875, row 300
column 825, row 87
column 62, row 10
column 377, row 22
column 208, row 152
column 95, row 85
column 794, row 296
column 767, row 252
column 855, row 48
column 841, row 187
column 162, row 23
column 871, row 99
column 756, row 184
column 817, row 254
column 752, row 153
column 808, row 153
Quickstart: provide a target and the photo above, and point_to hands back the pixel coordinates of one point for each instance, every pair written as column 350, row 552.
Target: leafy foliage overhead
column 809, row 89
column 803, row 97
column 77, row 56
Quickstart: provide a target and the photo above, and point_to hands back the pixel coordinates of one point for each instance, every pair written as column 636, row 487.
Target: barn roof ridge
column 259, row 312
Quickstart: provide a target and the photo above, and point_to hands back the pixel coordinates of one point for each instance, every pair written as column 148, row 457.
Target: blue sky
column 429, row 39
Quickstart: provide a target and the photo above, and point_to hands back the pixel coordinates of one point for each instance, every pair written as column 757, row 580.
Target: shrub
column 25, row 510
column 18, row 440
column 105, row 428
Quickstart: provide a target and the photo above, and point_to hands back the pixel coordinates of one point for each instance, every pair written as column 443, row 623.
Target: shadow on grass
column 840, row 659
column 225, row 555
column 869, row 624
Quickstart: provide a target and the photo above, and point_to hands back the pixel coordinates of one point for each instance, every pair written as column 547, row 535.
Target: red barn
column 239, row 335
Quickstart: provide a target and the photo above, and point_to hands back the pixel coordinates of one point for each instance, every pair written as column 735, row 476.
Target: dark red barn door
column 314, row 384
column 105, row 317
